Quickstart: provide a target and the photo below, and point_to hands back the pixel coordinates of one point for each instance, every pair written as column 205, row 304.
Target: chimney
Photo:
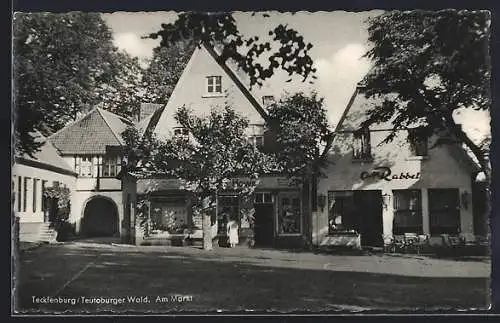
column 147, row 109
column 267, row 100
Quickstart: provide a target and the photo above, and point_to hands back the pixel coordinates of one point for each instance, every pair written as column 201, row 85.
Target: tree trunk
column 206, row 224
column 207, row 232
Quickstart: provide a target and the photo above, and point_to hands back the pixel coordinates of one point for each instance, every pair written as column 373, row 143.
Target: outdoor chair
column 411, row 242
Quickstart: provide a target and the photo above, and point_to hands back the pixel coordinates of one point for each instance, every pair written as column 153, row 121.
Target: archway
column 100, row 218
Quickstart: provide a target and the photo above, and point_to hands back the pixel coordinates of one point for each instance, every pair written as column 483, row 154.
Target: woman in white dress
column 232, row 232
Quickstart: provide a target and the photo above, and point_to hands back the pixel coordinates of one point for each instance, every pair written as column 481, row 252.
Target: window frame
column 347, row 221
column 362, row 136
column 83, row 164
column 109, row 163
column 414, row 228
column 289, row 196
column 35, row 195
column 20, row 182
column 419, row 143
column 25, row 194
column 457, row 210
column 213, row 85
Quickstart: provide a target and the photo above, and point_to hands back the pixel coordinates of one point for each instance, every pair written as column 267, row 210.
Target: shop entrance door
column 264, row 219
column 368, row 206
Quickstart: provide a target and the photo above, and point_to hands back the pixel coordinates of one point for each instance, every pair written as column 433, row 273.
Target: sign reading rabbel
column 385, row 173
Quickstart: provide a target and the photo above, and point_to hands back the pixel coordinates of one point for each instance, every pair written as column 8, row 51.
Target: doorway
column 368, row 209
column 100, row 218
column 264, row 219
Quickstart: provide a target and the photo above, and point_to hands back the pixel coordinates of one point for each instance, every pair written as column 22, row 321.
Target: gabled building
column 280, row 207
column 102, row 203
column 31, row 176
column 379, row 190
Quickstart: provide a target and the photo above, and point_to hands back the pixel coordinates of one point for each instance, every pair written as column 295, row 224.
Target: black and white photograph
column 169, row 162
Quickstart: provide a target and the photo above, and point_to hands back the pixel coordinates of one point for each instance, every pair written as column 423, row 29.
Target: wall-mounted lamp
column 465, row 197
column 386, row 199
column 322, row 201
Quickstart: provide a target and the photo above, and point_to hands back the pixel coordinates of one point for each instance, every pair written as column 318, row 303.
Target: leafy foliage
column 63, row 65
column 216, row 152
column 62, row 195
column 220, row 29
column 139, row 150
column 301, row 127
column 427, row 65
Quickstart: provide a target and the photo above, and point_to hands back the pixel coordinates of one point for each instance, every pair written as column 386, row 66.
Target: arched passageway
column 100, row 218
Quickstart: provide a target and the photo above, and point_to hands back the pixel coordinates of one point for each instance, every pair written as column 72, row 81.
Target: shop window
column 110, row 166
column 341, row 212
column 361, row 144
column 444, row 211
column 418, row 142
column 407, row 211
column 289, row 215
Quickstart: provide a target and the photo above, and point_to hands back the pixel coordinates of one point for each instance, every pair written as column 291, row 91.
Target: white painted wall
column 191, row 92
column 20, row 170
column 442, row 169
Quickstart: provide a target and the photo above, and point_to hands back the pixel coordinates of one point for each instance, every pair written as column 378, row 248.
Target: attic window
column 214, row 84
column 181, row 132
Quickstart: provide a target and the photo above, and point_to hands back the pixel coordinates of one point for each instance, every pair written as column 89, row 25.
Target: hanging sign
column 385, row 173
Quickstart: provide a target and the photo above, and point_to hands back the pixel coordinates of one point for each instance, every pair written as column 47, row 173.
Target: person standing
column 232, row 232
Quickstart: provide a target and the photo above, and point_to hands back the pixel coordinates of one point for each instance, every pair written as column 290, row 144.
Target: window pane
column 19, row 192
column 44, row 201
column 259, row 141
column 407, row 211
column 210, row 80
column 444, row 211
column 25, row 194
column 35, row 197
column 218, row 89
column 268, row 198
column 289, row 216
column 218, row 80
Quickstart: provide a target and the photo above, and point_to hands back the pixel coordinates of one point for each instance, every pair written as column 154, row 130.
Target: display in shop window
column 289, row 217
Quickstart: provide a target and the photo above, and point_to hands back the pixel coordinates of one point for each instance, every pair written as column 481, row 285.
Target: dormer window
column 361, row 145
column 214, row 85
column 418, row 142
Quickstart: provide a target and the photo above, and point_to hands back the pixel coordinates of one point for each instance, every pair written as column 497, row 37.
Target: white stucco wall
column 441, row 169
column 42, row 175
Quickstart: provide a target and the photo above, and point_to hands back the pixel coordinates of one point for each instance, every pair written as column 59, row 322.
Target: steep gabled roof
column 148, row 124
column 91, row 134
column 355, row 113
column 47, row 157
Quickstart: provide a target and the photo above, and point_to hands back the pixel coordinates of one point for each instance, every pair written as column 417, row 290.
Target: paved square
column 83, row 277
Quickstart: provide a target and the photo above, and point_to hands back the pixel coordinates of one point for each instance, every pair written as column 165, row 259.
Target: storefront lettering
column 386, row 174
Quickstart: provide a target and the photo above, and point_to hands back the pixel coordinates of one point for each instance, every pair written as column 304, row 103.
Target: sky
column 339, row 41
